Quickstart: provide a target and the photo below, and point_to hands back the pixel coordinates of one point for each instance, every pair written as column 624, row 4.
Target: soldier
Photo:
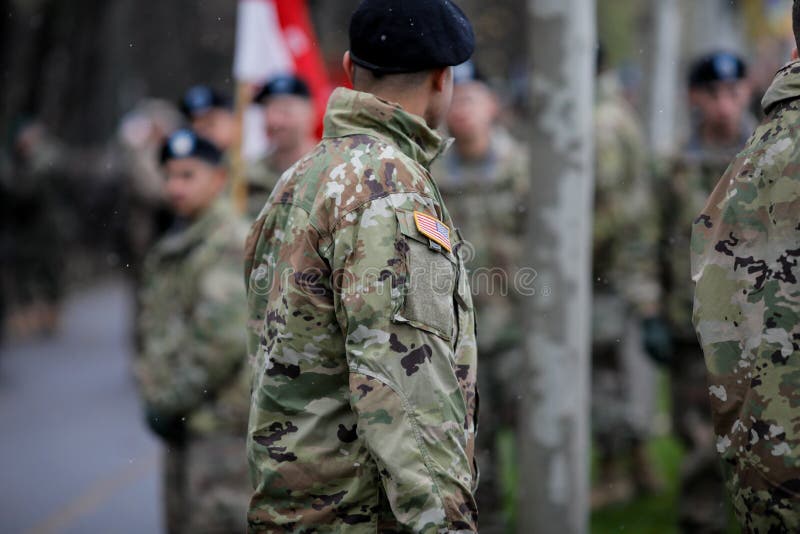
column 719, row 96
column 211, row 115
column 484, row 179
column 289, row 116
column 745, row 247
column 192, row 362
column 39, row 212
column 362, row 330
column 626, row 293
column 141, row 135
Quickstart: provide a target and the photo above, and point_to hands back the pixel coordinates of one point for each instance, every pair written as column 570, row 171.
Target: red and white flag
column 276, row 37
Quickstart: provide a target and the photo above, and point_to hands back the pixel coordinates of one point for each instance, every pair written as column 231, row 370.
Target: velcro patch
column 433, row 229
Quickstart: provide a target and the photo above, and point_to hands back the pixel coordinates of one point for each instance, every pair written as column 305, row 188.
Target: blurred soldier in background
column 192, row 363
column 484, row 180
column 141, row 135
column 626, row 293
column 39, row 219
column 719, row 96
column 290, row 123
column 745, row 248
column 210, row 114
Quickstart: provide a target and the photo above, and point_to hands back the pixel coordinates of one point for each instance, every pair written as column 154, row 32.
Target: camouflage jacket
column 262, row 176
column 745, row 249
column 486, row 199
column 682, row 187
column 624, row 232
column 362, row 330
column 193, row 355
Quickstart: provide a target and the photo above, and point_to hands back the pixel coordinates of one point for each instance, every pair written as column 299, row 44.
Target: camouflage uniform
column 486, row 199
column 745, row 248
column 262, row 176
column 192, row 370
column 625, row 277
column 362, row 331
column 682, row 193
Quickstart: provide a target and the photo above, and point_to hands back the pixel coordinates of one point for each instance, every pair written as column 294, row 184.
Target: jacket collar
column 786, row 86
column 188, row 235
column 353, row 113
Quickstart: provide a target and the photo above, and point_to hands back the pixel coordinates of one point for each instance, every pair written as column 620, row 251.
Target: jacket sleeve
column 403, row 381
column 202, row 349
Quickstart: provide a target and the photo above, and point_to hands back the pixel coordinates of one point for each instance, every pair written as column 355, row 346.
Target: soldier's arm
column 403, row 383
column 207, row 347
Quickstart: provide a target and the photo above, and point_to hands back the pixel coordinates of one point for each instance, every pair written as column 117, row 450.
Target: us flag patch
column 433, row 229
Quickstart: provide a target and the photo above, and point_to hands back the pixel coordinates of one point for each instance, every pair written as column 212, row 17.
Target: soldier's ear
column 795, row 55
column 441, row 78
column 349, row 68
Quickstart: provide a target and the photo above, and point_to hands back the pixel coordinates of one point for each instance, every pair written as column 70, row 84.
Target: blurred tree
column 554, row 428
column 79, row 65
column 615, row 19
column 713, row 25
column 663, row 72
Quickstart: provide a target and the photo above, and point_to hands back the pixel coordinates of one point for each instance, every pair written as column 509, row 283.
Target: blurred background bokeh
column 78, row 79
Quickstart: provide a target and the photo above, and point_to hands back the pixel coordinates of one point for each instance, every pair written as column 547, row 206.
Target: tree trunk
column 713, row 25
column 554, row 425
column 78, row 66
column 664, row 69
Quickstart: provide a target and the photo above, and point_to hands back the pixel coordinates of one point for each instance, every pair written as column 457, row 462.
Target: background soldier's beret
column 185, row 144
column 201, row 99
column 401, row 36
column 283, row 85
column 717, row 67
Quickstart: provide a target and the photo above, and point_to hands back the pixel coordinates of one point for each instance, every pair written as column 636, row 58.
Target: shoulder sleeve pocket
column 430, row 282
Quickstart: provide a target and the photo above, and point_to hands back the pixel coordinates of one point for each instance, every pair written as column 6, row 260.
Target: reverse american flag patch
column 433, row 229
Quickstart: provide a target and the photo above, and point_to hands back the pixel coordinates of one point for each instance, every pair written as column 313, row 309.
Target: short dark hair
column 796, row 22
column 369, row 80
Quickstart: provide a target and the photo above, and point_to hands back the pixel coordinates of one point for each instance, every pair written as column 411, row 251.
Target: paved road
column 74, row 455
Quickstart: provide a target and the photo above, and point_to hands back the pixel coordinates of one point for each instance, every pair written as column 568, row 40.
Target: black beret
column 283, row 85
column 717, row 67
column 401, row 36
column 202, row 99
column 185, row 144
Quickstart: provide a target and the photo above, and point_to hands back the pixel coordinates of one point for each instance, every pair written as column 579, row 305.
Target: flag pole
column 239, row 188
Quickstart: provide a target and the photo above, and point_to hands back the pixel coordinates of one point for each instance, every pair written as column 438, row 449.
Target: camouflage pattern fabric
column 262, row 177
column 217, row 485
column 745, row 248
column 362, row 333
column 486, row 200
column 624, row 232
column 192, row 366
column 683, row 186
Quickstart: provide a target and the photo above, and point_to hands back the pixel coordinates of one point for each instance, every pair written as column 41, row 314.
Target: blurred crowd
column 156, row 204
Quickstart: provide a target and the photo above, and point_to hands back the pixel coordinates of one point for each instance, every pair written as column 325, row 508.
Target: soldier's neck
column 414, row 102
